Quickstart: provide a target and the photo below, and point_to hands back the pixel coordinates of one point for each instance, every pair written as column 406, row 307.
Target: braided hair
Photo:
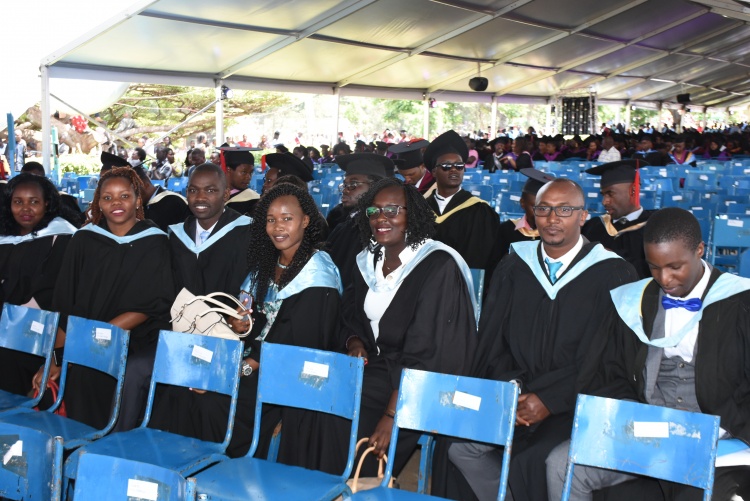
column 55, row 208
column 95, row 212
column 420, row 218
column 262, row 255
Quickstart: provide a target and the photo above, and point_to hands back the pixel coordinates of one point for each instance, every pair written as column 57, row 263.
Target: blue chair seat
column 259, row 479
column 74, row 433
column 185, row 455
column 385, row 494
column 11, row 400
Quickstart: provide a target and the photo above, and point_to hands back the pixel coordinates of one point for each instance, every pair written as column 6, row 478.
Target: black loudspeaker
column 478, row 84
column 683, row 98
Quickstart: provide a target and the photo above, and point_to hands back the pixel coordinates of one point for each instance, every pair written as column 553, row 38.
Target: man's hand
column 531, row 410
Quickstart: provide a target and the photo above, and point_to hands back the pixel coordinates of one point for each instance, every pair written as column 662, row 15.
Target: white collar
column 199, row 229
column 405, row 256
column 566, row 258
column 632, row 216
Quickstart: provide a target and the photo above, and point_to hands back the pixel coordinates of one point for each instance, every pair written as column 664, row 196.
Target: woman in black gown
column 35, row 229
column 116, row 269
column 301, row 288
column 411, row 305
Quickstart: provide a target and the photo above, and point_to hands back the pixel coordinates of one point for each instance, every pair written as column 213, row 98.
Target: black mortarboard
column 409, row 152
column 288, row 164
column 622, row 171
column 381, row 145
column 109, row 161
column 234, row 156
column 536, row 180
column 369, row 164
column 447, row 142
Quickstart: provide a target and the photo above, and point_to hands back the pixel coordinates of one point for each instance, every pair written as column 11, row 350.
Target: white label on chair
column 703, row 177
column 142, row 489
column 647, row 429
column 597, row 185
column 515, row 198
column 696, row 208
column 739, row 223
column 592, row 195
column 315, row 369
column 462, row 399
column 202, row 353
column 37, row 327
column 677, row 197
column 103, row 334
column 15, row 450
column 476, row 193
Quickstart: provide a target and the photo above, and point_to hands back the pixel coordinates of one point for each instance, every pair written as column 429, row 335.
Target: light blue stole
column 94, row 228
column 58, row 226
column 178, row 230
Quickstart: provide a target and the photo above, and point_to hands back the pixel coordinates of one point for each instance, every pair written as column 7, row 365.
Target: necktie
column 689, row 304
column 204, row 235
column 554, row 267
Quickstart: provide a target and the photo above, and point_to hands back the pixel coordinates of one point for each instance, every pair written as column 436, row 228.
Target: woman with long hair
column 411, row 305
column 296, row 290
column 35, row 229
column 116, row 269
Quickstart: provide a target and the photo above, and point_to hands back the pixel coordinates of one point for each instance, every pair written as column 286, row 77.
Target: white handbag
column 205, row 315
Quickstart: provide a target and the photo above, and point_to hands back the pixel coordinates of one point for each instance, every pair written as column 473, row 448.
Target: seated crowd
column 388, row 278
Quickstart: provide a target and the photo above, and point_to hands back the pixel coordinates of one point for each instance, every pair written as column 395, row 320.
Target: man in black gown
column 162, row 206
column 343, row 244
column 410, row 164
column 532, row 330
column 238, row 164
column 464, row 222
column 524, row 228
column 621, row 228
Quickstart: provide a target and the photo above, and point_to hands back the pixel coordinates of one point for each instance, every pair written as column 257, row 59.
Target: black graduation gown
column 308, row 319
column 474, row 232
column 653, row 157
column 722, row 387
column 243, row 202
column 429, row 325
column 27, row 270
column 71, row 203
column 551, row 347
column 509, row 235
column 336, row 216
column 101, row 279
column 166, row 208
column 343, row 245
column 221, row 267
column 627, row 243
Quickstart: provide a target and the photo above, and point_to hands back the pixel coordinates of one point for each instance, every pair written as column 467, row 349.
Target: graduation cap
column 536, row 180
column 409, row 153
column 236, row 156
column 621, row 171
column 288, row 164
column 447, row 142
column 110, row 161
column 369, row 164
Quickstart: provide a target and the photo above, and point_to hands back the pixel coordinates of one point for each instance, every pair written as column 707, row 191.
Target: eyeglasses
column 560, row 211
column 351, row 186
column 390, row 211
column 448, row 166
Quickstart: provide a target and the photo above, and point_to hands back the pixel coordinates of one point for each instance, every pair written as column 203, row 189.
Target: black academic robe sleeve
column 101, row 279
column 429, row 325
column 171, row 209
column 343, row 245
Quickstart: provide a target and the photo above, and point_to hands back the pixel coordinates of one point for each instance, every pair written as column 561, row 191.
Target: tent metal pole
column 493, row 120
column 337, row 92
column 219, row 113
column 426, row 121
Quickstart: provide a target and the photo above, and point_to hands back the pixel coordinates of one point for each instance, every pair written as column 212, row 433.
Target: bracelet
column 390, row 413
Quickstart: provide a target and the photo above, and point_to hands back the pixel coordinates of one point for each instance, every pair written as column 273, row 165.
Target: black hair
column 210, row 168
column 33, row 167
column 420, row 218
column 262, row 255
column 141, row 154
column 670, row 224
column 141, row 173
column 95, row 212
column 55, row 208
column 292, row 179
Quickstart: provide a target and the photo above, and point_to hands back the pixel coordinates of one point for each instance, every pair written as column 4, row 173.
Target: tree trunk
column 65, row 134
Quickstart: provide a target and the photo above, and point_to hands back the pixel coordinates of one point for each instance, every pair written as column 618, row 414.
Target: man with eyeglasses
column 464, row 222
column 621, row 228
column 540, row 327
column 362, row 171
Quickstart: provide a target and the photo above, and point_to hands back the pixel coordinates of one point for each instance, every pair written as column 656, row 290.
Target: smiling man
column 540, row 326
column 621, row 228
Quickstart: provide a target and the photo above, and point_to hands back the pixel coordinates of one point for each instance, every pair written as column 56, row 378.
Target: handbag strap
column 381, row 463
column 221, row 309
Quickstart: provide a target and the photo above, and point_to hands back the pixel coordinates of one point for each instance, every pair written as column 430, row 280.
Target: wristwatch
column 246, row 368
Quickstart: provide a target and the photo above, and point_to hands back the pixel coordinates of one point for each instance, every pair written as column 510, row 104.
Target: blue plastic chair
column 31, row 331
column 728, row 239
column 657, row 442
column 482, row 191
column 304, row 378
column 473, row 409
column 25, row 475
column 187, row 360
column 116, row 479
column 89, row 343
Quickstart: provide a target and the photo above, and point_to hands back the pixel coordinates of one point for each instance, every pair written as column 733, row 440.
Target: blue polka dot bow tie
column 689, row 304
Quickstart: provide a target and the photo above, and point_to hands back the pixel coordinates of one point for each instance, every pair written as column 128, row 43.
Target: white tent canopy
column 625, row 51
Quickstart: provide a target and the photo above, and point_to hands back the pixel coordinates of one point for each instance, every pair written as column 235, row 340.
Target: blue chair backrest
column 106, row 477
column 24, row 473
column 96, row 344
column 744, row 268
column 28, row 330
column 731, row 232
column 482, row 191
column 641, row 439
